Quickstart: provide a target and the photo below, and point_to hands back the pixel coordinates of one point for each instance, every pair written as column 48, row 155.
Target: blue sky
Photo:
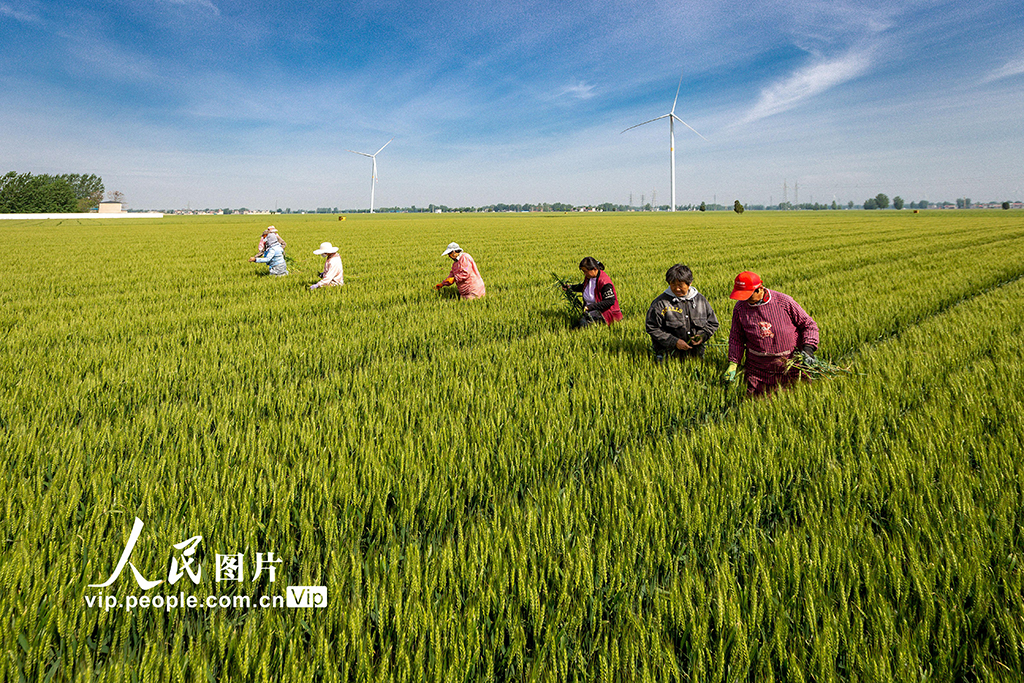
column 225, row 103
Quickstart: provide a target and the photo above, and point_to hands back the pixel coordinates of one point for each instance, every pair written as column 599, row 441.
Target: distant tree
column 871, row 203
column 849, row 204
column 88, row 189
column 703, row 206
column 834, row 205
column 115, row 196
column 967, row 202
column 1006, row 205
column 897, row 202
column 26, row 193
column 923, row 204
column 737, row 207
column 882, row 201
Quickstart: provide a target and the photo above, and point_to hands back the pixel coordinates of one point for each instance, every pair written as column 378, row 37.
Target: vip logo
column 306, row 596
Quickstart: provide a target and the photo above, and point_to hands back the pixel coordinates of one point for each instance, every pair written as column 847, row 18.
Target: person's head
column 748, row 287
column 326, row 250
column 679, row 279
column 452, row 251
column 590, row 267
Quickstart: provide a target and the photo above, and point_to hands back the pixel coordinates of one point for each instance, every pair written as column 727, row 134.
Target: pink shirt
column 467, row 277
column 770, row 330
column 332, row 274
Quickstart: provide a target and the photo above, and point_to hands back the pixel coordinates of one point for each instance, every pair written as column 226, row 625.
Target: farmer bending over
column 600, row 300
column 261, row 246
column 464, row 274
column 332, row 272
column 680, row 320
column 273, row 256
column 771, row 328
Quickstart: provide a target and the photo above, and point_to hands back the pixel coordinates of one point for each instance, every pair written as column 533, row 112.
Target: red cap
column 744, row 285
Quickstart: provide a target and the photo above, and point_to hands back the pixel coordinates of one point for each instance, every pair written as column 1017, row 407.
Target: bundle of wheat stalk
column 575, row 305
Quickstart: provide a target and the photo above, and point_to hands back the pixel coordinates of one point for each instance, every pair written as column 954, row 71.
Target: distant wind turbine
column 373, row 175
column 672, row 118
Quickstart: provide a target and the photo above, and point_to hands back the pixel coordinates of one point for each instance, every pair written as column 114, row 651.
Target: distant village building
column 110, row 207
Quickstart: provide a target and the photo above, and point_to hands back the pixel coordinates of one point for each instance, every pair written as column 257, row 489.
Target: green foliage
column 488, row 495
column 1006, row 205
column 871, row 203
column 703, row 206
column 573, row 301
column 27, row 193
column 882, row 201
column 737, row 207
column 897, row 203
column 88, row 189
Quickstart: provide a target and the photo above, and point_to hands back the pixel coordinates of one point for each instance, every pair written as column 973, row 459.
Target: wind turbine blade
column 646, row 122
column 363, row 153
column 689, row 126
column 677, row 93
column 385, row 145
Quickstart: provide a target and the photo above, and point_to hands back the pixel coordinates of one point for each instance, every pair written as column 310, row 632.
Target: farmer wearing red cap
column 771, row 328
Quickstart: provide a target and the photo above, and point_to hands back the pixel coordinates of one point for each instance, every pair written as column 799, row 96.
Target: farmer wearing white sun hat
column 464, row 274
column 332, row 273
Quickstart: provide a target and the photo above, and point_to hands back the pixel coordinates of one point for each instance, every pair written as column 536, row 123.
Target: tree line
column 66, row 193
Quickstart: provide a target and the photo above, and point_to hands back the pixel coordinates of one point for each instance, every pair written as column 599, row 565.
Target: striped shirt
column 467, row 277
column 772, row 329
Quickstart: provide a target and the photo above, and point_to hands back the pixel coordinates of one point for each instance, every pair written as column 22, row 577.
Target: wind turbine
column 672, row 118
column 373, row 175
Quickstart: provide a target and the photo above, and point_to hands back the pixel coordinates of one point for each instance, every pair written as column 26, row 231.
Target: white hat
column 451, row 247
column 326, row 248
column 271, row 229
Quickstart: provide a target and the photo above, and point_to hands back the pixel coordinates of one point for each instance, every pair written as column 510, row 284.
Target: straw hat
column 326, row 248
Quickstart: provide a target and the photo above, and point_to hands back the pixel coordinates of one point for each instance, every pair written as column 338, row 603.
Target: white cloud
column 202, row 4
column 1011, row 68
column 108, row 61
column 24, row 17
column 806, row 83
column 580, row 91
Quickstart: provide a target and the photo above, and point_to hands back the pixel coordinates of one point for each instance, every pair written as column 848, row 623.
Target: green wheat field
column 487, row 495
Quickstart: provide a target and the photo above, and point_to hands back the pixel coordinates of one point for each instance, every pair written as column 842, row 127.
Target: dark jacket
column 671, row 318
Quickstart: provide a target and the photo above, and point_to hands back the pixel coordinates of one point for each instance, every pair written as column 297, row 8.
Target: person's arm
column 653, row 323
column 711, row 326
column 330, row 272
column 737, row 338
column 577, row 288
column 605, row 300
column 806, row 327
column 450, row 280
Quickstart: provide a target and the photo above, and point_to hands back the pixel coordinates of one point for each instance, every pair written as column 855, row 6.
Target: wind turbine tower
column 672, row 118
column 373, row 175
